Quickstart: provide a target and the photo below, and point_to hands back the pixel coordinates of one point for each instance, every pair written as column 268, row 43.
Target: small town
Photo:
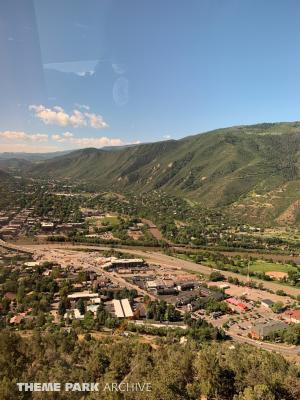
column 79, row 287
column 149, row 200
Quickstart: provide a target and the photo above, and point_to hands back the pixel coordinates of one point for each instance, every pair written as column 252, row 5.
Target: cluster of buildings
column 118, row 308
column 91, row 300
column 14, row 221
column 263, row 330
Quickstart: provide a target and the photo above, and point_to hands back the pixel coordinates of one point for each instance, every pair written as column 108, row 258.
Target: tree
column 62, row 308
column 216, row 276
column 277, row 307
column 259, row 392
column 215, row 380
column 81, row 306
column 88, row 321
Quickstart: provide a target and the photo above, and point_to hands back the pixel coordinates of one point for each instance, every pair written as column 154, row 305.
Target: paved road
column 163, row 259
column 122, row 282
column 279, row 348
column 157, row 257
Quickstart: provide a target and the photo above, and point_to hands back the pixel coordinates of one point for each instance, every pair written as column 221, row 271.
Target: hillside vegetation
column 252, row 171
column 175, row 372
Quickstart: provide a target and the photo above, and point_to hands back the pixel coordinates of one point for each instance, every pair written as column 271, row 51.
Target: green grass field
column 100, row 221
column 266, row 266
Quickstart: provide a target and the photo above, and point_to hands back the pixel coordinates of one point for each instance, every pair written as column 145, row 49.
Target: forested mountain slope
column 250, row 169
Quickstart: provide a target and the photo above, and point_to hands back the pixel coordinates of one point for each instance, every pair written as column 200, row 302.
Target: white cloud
column 68, row 134
column 58, row 116
column 70, row 140
column 19, row 135
column 96, row 121
column 167, row 136
column 22, row 141
column 96, row 142
column 58, row 138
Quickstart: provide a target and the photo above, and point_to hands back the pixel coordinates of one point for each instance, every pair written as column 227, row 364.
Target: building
column 243, row 307
column 76, row 314
column 122, row 308
column 133, row 263
column 83, row 295
column 47, row 226
column 292, row 316
column 168, row 283
column 186, row 286
column 261, row 331
column 155, row 284
column 237, row 305
column 213, row 294
column 167, row 292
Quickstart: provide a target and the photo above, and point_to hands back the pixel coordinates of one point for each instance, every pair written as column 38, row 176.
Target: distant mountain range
column 249, row 171
column 31, row 156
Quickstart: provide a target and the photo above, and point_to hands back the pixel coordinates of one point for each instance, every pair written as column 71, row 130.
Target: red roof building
column 292, row 316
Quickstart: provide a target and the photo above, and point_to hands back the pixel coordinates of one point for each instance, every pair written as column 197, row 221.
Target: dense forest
column 187, row 371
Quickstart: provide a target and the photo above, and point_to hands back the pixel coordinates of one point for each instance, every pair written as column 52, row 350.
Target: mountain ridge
column 238, row 168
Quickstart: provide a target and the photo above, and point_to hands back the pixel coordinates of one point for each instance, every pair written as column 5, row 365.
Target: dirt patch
column 290, row 214
column 277, row 274
column 153, row 229
column 136, row 235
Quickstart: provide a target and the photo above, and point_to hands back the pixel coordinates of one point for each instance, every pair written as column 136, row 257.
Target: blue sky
column 93, row 73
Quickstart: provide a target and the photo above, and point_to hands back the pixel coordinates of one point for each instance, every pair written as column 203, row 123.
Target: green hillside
column 253, row 171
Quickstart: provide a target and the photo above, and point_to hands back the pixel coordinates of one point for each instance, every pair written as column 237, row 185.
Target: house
column 261, row 331
column 292, row 316
column 267, row 303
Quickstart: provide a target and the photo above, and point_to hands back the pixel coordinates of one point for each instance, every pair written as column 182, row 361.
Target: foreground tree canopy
column 176, row 371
